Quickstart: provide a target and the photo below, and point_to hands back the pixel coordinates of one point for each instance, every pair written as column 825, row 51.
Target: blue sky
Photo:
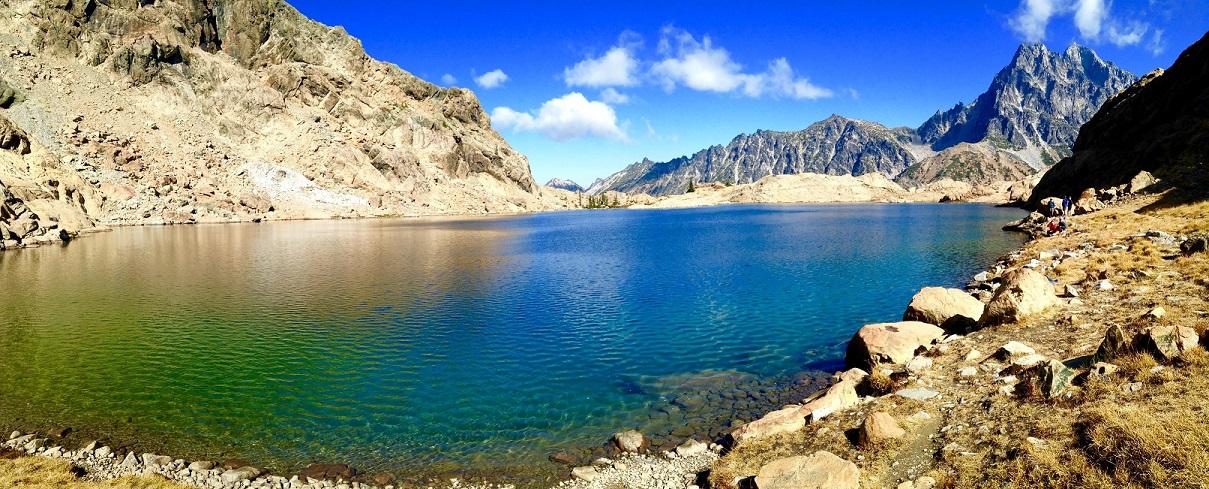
column 584, row 90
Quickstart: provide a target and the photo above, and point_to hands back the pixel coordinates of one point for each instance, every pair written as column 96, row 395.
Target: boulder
column 1103, row 369
column 1196, row 243
column 691, row 448
column 1142, row 181
column 820, row 470
column 1088, row 202
column 629, row 441
column 854, row 375
column 328, row 472
column 1013, row 349
column 793, row 418
column 244, row 473
column 1167, row 342
column 917, row 393
column 153, row 461
column 879, row 427
column 586, row 473
column 951, row 309
column 201, row 465
column 1053, row 378
column 895, row 343
column 1023, row 293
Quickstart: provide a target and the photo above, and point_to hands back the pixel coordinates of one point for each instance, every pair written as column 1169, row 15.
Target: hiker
column 1052, row 208
column 1067, row 205
column 1052, row 228
column 1062, row 225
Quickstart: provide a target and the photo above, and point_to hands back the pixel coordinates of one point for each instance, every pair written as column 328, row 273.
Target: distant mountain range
column 1026, row 120
column 564, row 185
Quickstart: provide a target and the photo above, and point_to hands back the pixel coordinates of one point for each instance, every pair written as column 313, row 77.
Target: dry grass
column 47, row 473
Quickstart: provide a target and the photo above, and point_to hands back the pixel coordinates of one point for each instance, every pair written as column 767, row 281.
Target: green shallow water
column 460, row 346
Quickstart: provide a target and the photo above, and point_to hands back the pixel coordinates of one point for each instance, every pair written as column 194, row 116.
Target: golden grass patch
column 48, row 473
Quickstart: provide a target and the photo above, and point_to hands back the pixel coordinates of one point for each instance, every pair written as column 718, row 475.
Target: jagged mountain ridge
column 833, row 146
column 1159, row 124
column 1029, row 115
column 228, row 110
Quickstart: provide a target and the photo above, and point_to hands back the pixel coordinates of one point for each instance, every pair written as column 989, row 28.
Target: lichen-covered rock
column 1167, row 342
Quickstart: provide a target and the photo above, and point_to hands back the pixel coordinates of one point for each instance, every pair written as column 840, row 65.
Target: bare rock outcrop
column 181, row 111
column 820, row 470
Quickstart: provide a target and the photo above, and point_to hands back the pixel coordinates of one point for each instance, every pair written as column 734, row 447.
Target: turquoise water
column 459, row 345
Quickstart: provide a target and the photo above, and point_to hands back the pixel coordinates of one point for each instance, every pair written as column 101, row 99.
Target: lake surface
column 459, row 345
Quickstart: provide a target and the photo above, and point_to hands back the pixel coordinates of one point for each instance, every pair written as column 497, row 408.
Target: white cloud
column 1093, row 20
column 853, row 93
column 1033, row 18
column 491, row 79
column 612, row 96
column 1130, row 34
column 568, row 117
column 701, row 66
column 1089, row 17
column 615, row 68
column 448, row 80
column 1156, row 45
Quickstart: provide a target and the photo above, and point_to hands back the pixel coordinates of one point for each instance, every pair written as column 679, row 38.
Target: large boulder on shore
column 1024, row 292
column 820, row 470
column 1166, row 343
column 840, row 395
column 893, row 343
column 629, row 441
column 951, row 309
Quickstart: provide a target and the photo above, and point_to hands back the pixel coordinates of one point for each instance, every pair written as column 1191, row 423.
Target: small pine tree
column 691, row 186
column 616, row 203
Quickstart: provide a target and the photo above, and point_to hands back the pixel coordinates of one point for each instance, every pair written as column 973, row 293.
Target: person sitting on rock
column 1052, row 227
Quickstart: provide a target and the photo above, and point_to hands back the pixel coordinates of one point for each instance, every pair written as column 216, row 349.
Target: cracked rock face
column 171, row 111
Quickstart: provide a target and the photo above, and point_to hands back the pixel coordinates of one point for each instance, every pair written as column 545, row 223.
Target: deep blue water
column 461, row 344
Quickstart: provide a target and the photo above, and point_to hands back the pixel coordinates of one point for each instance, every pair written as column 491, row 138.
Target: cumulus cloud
column 612, row 96
column 617, row 67
column 702, row 66
column 1092, row 18
column 491, row 79
column 1033, row 18
column 567, row 117
column 448, row 80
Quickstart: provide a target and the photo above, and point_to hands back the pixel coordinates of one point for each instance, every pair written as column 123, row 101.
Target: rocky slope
column 1159, row 125
column 179, row 111
column 833, row 146
column 975, row 163
column 567, row 185
column 1026, row 120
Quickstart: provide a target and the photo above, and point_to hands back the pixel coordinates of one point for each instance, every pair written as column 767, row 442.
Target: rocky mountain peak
column 567, row 185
